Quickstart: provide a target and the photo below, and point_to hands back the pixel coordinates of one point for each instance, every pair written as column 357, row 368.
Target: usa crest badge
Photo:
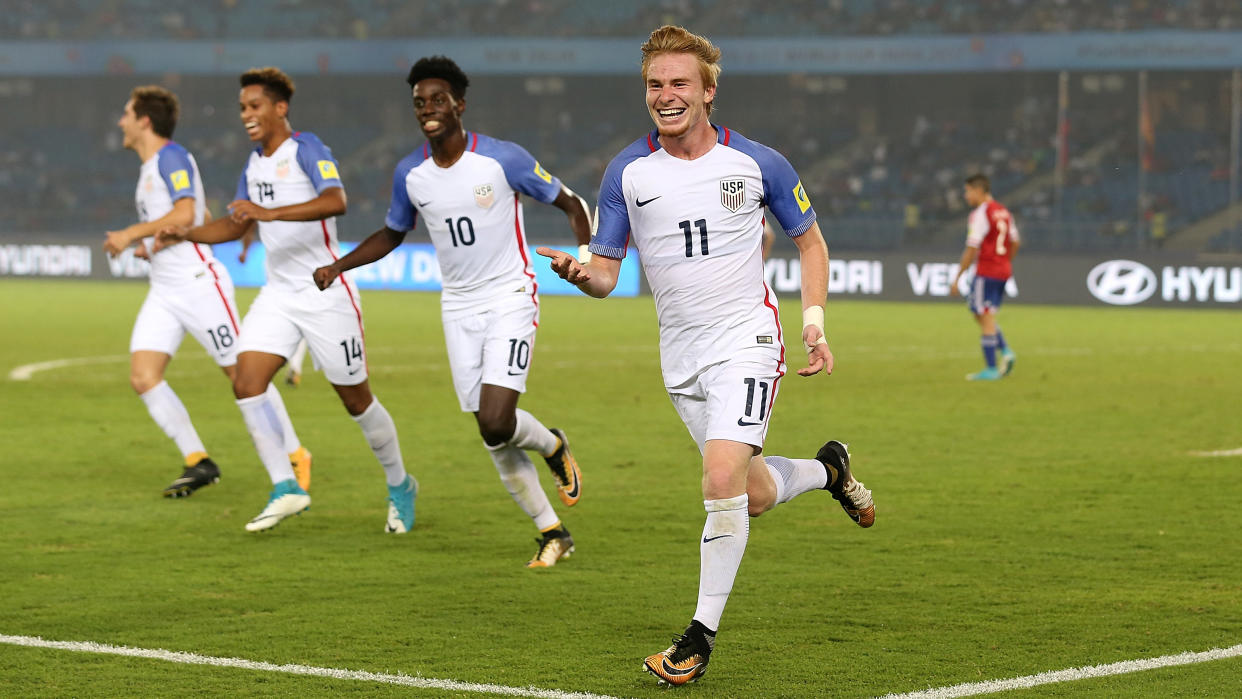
column 484, row 195
column 282, row 168
column 733, row 193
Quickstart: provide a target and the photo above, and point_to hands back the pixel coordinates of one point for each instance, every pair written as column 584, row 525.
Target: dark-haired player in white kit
column 292, row 190
column 466, row 186
column 691, row 195
column 190, row 291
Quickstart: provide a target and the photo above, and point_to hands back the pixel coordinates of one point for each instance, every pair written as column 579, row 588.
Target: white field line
column 333, row 673
column 25, row 371
column 1220, row 452
column 1079, row 673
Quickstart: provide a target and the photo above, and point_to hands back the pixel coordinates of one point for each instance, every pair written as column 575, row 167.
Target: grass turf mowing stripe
column 333, row 673
column 1077, row 673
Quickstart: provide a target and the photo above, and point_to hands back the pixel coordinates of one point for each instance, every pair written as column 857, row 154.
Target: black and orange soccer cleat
column 565, row 469
column 554, row 545
column 203, row 473
column 845, row 489
column 686, row 660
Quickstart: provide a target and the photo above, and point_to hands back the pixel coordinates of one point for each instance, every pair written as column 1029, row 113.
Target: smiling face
column 437, row 110
column 131, row 126
column 261, row 116
column 676, row 96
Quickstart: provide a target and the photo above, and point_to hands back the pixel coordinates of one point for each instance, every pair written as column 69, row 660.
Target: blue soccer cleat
column 1007, row 360
column 401, row 506
column 988, row 374
column 287, row 499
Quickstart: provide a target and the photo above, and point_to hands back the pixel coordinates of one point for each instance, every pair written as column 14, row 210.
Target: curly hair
column 274, row 81
column 441, row 67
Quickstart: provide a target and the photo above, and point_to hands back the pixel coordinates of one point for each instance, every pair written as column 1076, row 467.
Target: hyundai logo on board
column 1121, row 282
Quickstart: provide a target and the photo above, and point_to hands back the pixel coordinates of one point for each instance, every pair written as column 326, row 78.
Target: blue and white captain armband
column 814, row 316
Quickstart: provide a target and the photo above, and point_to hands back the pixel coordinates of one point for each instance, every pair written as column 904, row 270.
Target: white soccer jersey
column 300, row 170
column 474, row 215
column 698, row 228
column 169, row 175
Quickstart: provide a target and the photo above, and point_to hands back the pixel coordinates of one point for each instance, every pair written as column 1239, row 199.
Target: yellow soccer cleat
column 554, row 545
column 300, row 460
column 686, row 660
column 565, row 469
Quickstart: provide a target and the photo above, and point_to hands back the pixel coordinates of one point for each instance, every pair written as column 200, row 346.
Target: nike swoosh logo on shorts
column 707, row 540
column 642, row 203
column 741, row 423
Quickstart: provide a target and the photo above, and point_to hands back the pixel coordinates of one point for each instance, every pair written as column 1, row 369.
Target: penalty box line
column 1078, row 673
column 332, row 673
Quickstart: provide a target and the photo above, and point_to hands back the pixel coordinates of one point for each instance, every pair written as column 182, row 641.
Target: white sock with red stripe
column 263, row 422
column 381, row 433
column 521, row 479
column 290, row 436
column 531, row 434
column 170, row 414
column 795, row 476
column 720, row 555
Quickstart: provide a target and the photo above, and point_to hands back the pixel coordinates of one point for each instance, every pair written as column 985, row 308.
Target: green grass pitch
column 1052, row 520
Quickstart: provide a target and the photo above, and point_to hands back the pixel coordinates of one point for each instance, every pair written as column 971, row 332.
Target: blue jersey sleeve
column 783, row 193
column 243, row 188
column 317, row 162
column 522, row 171
column 401, row 212
column 176, row 171
column 612, row 235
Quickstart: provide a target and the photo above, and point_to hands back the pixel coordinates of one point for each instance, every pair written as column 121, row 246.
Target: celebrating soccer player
column 466, row 186
column 992, row 240
column 292, row 190
column 691, row 195
column 190, row 291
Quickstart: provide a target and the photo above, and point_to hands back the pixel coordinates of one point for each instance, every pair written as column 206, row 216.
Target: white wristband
column 584, row 253
column 814, row 316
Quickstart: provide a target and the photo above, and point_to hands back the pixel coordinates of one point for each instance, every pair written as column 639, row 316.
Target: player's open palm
column 324, row 276
column 819, row 356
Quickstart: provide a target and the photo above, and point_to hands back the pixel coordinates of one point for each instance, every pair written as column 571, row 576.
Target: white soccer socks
column 263, row 421
column 531, row 434
column 381, row 433
column 290, row 438
column 170, row 414
column 520, row 478
column 795, row 476
column 720, row 554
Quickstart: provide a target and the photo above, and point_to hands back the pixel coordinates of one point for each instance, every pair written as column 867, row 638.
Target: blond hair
column 672, row 39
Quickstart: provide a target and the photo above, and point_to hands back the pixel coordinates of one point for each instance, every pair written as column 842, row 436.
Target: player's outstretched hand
column 819, row 357
column 115, row 242
column 324, row 276
column 565, row 266
column 245, row 211
column 169, row 235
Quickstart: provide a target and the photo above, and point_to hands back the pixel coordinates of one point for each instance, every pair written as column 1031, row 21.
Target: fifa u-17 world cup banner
column 410, row 267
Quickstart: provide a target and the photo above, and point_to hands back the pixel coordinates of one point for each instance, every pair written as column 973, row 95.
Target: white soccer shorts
column 330, row 320
column 493, row 346
column 730, row 400
column 203, row 307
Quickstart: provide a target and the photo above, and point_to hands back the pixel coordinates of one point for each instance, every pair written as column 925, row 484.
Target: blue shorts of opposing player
column 986, row 295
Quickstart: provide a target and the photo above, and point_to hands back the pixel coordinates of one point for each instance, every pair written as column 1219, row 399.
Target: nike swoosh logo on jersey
column 642, row 203
column 741, row 423
column 424, row 203
column 707, row 540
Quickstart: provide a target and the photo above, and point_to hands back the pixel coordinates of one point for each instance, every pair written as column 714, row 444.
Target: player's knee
column 496, row 429
column 247, row 387
column 143, row 381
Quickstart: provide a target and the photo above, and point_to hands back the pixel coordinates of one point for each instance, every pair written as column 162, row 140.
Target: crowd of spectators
column 363, row 19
